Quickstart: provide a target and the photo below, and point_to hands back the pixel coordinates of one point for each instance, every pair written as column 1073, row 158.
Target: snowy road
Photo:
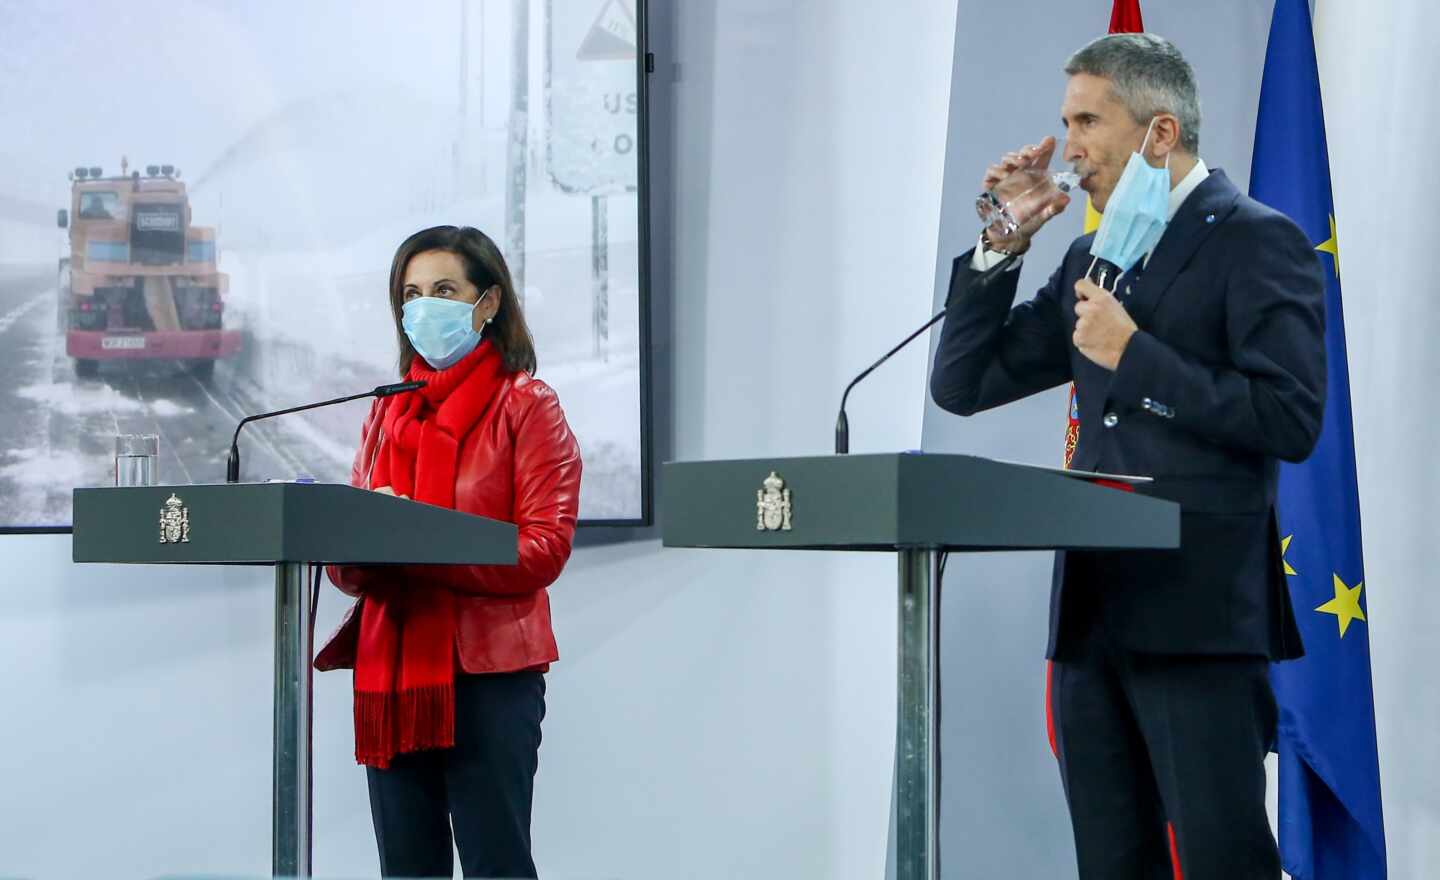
column 59, row 430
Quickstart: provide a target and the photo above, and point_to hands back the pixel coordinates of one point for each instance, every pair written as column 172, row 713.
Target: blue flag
column 1330, row 821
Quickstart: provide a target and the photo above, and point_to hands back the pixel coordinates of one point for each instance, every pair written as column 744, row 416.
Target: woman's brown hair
column 485, row 268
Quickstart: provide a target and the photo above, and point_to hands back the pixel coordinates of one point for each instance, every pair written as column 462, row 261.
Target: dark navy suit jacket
column 1225, row 378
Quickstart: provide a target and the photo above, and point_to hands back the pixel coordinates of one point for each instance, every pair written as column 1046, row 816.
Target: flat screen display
column 200, row 201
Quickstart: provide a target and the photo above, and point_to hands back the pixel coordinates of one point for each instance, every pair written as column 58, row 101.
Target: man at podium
column 1192, row 325
column 449, row 660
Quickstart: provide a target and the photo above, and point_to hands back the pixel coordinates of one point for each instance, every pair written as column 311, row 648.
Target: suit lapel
column 1207, row 207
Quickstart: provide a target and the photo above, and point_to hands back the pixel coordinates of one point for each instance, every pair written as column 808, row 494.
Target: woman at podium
column 449, row 660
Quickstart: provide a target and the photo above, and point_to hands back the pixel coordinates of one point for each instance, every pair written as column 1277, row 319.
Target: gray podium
column 293, row 527
column 915, row 506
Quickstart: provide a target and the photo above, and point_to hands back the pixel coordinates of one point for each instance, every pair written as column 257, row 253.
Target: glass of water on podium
column 136, row 457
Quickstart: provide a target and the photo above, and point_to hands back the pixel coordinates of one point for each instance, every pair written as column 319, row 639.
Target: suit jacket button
column 1111, row 420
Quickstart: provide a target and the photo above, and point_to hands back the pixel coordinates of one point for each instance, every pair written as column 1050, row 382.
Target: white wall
column 1378, row 70
column 714, row 714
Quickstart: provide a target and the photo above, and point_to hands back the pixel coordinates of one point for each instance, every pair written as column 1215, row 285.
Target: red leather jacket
column 520, row 463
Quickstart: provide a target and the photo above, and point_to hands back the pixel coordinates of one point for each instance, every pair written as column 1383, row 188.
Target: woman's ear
column 487, row 307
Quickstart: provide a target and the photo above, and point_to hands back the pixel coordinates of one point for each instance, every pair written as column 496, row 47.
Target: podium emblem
column 772, row 505
column 174, row 521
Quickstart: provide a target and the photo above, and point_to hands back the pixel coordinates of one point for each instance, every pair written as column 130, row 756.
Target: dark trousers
column 1163, row 758
column 483, row 787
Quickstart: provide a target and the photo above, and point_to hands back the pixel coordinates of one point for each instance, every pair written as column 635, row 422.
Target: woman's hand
column 386, row 490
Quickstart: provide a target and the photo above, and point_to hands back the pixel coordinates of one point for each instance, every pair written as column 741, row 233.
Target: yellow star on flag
column 1331, row 246
column 1284, row 548
column 1345, row 606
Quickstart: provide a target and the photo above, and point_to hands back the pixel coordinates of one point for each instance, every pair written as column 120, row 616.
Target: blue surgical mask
column 1136, row 215
column 442, row 330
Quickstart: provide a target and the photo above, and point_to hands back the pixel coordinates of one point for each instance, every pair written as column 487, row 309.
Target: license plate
column 110, row 343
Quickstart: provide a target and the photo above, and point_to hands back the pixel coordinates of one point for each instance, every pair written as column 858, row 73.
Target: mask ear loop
column 477, row 305
column 1148, row 130
column 1101, row 281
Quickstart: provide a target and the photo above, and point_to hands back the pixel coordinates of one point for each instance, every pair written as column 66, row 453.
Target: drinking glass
column 136, row 456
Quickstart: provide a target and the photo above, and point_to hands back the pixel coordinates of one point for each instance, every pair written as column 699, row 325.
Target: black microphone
column 232, row 464
column 842, row 423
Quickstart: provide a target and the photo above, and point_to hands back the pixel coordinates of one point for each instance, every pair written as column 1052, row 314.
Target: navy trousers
column 1162, row 758
column 482, row 788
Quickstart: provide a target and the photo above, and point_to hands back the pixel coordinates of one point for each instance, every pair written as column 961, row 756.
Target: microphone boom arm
column 842, row 422
column 232, row 462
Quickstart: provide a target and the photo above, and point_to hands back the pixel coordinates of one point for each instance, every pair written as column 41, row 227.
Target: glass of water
column 1021, row 196
column 135, row 459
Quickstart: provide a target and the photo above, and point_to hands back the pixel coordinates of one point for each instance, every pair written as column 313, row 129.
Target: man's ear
column 1166, row 136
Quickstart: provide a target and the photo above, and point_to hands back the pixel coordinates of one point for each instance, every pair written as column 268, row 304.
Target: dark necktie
column 1129, row 281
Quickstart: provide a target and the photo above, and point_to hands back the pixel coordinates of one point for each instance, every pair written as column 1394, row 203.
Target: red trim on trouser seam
column 1049, row 706
column 1174, row 852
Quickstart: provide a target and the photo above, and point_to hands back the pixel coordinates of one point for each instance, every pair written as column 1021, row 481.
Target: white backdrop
column 1378, row 70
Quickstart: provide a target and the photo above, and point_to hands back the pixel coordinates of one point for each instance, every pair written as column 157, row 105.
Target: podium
column 915, row 506
column 294, row 527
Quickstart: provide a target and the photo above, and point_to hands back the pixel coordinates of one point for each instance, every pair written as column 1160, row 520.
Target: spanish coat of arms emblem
column 174, row 521
column 772, row 505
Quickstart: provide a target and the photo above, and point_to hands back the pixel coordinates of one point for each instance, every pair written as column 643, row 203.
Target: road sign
column 612, row 36
column 592, row 101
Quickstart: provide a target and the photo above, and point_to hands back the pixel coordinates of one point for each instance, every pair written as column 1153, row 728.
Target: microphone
column 842, row 423
column 232, row 464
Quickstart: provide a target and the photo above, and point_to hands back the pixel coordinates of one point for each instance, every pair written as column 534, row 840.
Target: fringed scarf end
column 387, row 724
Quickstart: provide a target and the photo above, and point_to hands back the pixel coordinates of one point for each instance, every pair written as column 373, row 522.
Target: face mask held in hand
column 442, row 330
column 1136, row 215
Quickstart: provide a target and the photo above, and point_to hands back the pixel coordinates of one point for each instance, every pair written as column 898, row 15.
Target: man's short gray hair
column 1149, row 76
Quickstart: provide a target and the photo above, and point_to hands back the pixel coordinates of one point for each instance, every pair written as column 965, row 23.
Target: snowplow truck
column 140, row 282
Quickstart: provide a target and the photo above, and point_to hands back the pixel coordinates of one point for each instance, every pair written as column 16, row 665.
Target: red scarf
column 405, row 658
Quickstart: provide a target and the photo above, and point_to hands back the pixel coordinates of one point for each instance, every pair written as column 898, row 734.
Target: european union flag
column 1330, row 820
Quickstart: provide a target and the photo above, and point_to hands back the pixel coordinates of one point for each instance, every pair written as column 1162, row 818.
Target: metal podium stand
column 914, row 506
column 292, row 527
